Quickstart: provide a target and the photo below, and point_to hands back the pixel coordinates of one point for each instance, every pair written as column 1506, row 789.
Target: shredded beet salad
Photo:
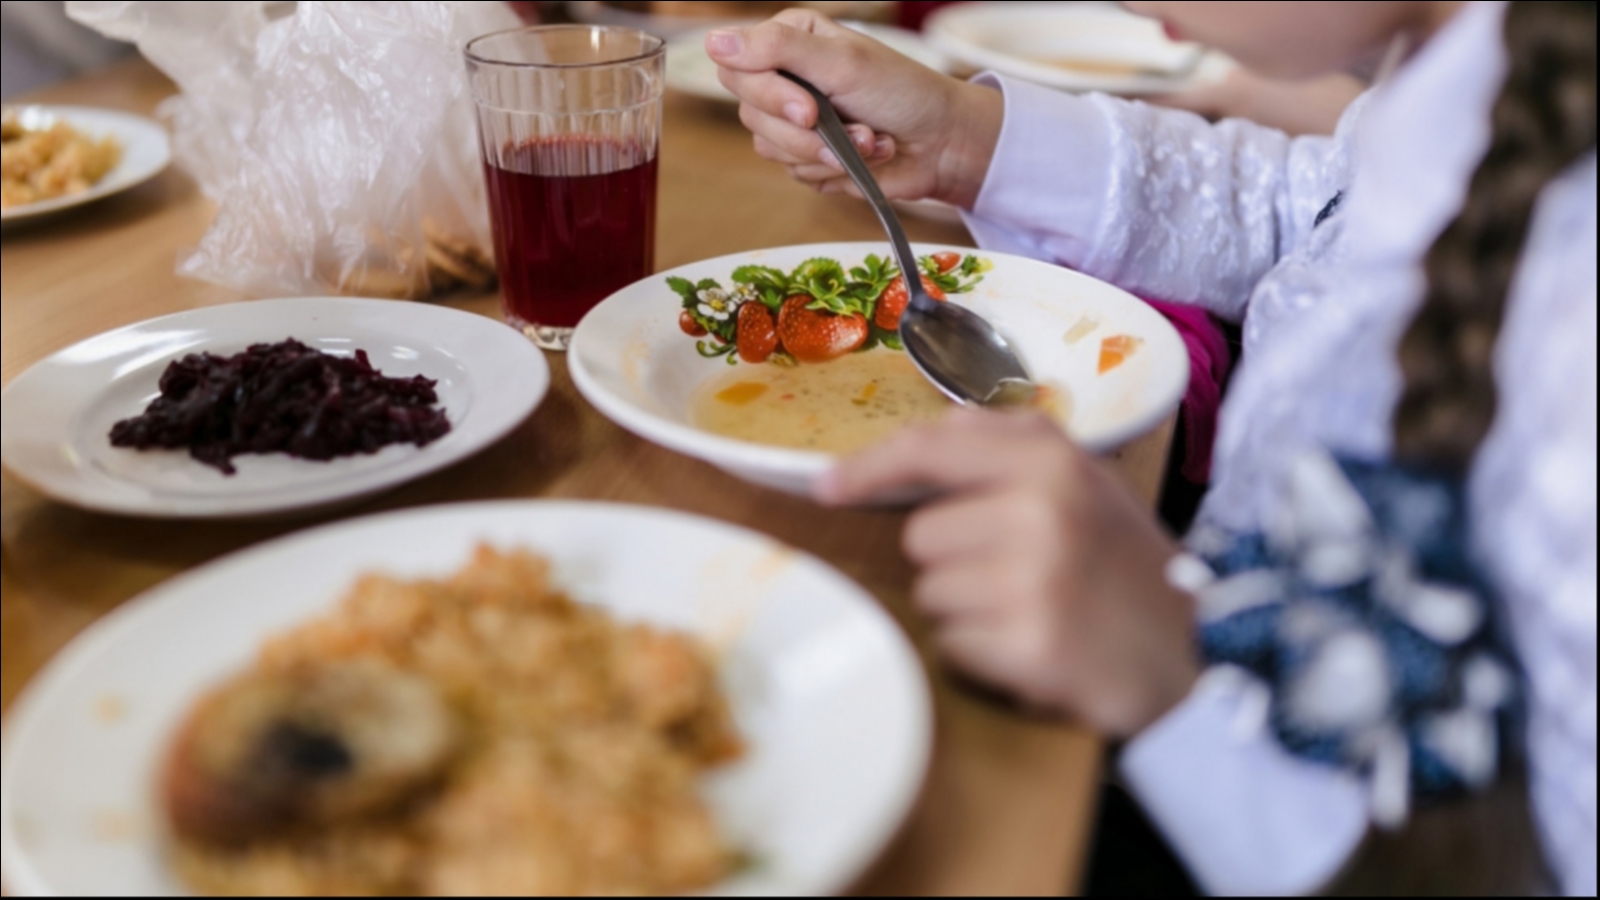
column 283, row 398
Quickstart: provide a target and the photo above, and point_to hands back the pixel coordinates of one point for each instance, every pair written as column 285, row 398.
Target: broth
column 839, row 407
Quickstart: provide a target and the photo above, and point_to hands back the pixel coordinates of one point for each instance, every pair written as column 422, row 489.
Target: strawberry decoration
column 816, row 313
column 817, row 336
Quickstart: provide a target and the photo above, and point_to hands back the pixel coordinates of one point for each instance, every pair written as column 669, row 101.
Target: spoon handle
column 831, row 128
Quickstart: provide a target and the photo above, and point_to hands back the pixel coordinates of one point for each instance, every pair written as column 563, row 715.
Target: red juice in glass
column 569, row 121
column 564, row 242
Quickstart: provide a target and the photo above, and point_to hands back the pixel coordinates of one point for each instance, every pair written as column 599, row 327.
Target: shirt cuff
column 1045, row 192
column 1248, row 818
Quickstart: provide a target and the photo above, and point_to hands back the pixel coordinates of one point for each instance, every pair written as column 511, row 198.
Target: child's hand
column 924, row 134
column 1041, row 573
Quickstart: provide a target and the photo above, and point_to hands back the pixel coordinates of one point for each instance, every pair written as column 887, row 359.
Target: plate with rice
column 60, row 157
column 492, row 699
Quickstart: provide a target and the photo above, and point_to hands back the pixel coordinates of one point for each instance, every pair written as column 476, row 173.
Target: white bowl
column 630, row 359
column 830, row 697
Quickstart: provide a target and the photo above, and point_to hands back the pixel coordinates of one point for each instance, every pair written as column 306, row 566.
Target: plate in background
column 146, row 152
column 1076, row 47
column 830, row 696
column 56, row 417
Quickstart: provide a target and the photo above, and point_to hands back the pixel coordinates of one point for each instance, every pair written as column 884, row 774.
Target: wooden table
column 1009, row 801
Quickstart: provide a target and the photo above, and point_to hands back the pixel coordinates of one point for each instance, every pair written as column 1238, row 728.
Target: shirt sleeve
column 1245, row 816
column 1535, row 487
column 1159, row 202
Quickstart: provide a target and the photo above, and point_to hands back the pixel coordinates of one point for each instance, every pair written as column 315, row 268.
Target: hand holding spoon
column 955, row 348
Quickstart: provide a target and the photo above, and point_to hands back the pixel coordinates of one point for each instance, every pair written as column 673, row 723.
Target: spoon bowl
column 955, row 348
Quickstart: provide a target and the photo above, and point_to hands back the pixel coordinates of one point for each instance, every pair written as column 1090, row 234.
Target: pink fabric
column 1210, row 363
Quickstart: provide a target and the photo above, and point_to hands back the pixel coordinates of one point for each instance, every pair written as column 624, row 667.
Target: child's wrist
column 979, row 115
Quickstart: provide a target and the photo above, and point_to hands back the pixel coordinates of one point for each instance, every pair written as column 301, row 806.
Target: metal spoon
column 957, row 349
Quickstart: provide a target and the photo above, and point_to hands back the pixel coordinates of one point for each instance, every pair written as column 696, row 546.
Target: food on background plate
column 283, row 398
column 392, row 267
column 480, row 735
column 49, row 163
column 455, row 262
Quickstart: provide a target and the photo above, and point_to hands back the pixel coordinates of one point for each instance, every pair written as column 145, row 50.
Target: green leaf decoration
column 761, row 278
column 684, row 288
column 712, row 352
column 823, row 279
column 831, row 288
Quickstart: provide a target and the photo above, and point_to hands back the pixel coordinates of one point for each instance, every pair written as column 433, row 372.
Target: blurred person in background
column 39, row 46
column 1373, row 668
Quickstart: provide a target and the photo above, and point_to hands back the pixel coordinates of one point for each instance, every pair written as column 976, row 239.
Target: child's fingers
column 841, row 185
column 800, row 146
column 772, row 94
column 828, row 171
column 950, row 457
column 748, row 60
column 795, row 146
column 958, row 530
column 957, row 596
column 982, row 650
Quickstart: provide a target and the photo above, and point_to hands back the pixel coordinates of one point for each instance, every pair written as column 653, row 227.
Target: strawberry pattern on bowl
column 818, row 312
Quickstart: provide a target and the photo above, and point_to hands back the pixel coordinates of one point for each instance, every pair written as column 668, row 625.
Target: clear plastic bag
column 336, row 138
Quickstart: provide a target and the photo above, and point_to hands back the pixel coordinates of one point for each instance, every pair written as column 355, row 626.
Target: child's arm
column 1158, row 201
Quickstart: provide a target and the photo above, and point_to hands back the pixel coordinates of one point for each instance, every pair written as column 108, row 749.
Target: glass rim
column 660, row 47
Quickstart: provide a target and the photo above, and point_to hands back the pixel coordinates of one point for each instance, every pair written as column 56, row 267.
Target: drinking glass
column 569, row 118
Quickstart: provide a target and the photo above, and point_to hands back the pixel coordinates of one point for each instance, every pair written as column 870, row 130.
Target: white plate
column 55, row 419
column 691, row 71
column 593, row 12
column 827, row 691
column 632, row 362
column 146, row 151
column 1019, row 40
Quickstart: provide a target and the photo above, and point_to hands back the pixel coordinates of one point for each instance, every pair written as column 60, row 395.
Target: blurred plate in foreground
column 827, row 692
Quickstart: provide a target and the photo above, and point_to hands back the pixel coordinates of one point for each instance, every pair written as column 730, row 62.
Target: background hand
column 924, row 134
column 1041, row 572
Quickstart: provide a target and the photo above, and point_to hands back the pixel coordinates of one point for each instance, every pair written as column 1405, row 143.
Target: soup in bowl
column 772, row 365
